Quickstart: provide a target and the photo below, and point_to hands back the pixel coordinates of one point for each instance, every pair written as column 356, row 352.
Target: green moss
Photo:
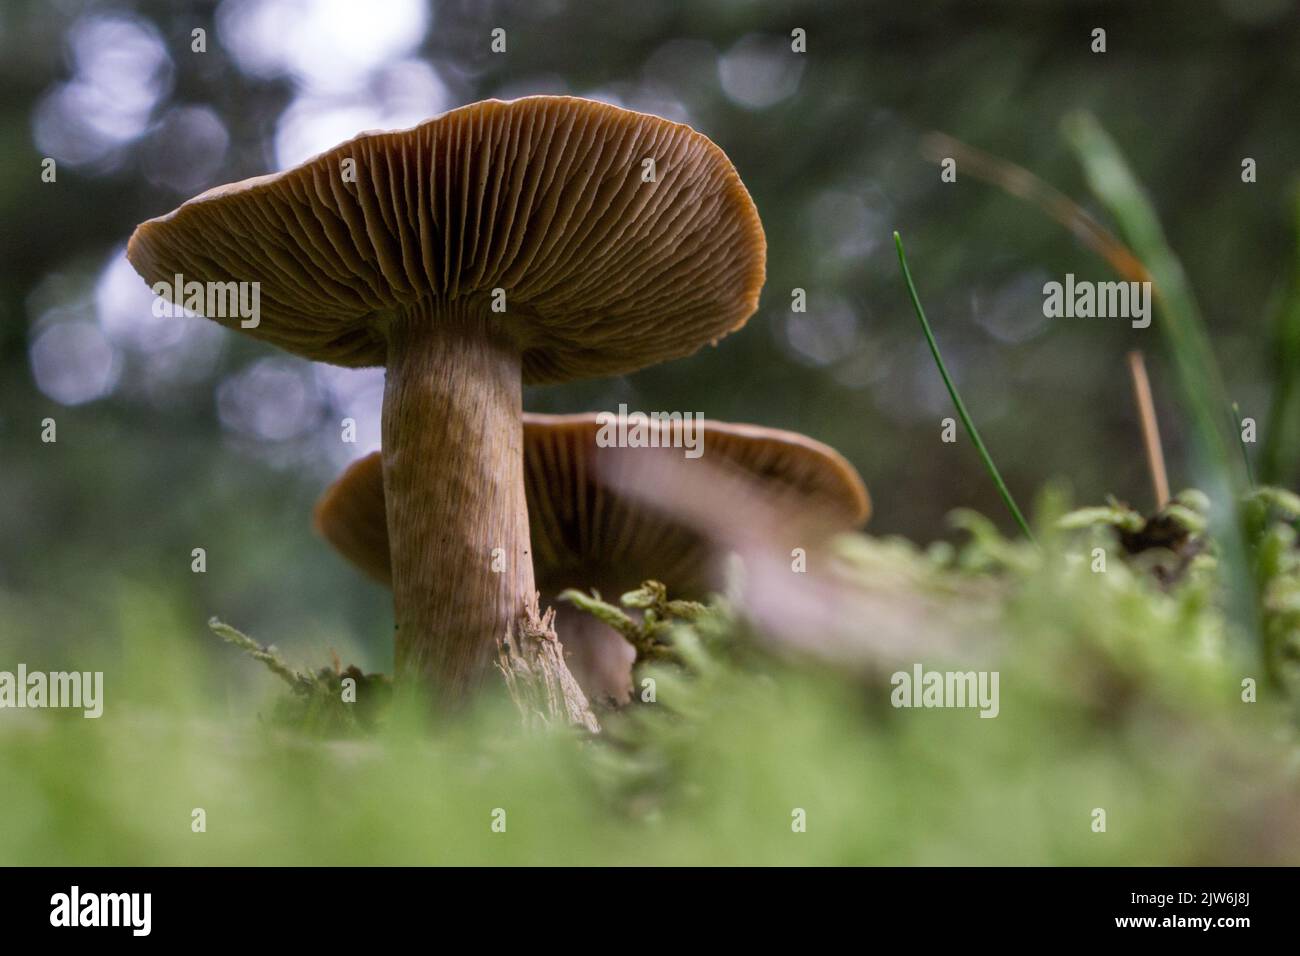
column 1118, row 690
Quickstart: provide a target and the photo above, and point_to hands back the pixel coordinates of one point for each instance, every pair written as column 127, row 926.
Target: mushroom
column 585, row 534
column 533, row 241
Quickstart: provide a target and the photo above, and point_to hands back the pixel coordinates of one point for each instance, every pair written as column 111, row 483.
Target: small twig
column 1150, row 428
column 956, row 399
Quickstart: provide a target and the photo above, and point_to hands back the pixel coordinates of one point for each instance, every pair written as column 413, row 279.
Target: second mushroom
column 588, row 535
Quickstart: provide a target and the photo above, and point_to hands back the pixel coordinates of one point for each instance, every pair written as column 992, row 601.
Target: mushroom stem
column 453, row 477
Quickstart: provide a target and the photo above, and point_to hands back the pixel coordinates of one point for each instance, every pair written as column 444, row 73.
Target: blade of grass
column 956, row 398
column 1202, row 384
column 1024, row 185
column 1197, row 371
column 1241, row 440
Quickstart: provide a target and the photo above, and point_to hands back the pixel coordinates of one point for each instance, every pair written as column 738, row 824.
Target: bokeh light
column 327, row 46
column 121, row 70
column 759, row 71
column 395, row 97
column 271, row 400
column 73, row 362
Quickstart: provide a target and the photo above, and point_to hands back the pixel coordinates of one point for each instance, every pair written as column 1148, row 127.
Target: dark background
column 173, row 434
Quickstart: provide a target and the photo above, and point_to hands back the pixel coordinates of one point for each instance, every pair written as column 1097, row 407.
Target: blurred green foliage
column 1116, row 693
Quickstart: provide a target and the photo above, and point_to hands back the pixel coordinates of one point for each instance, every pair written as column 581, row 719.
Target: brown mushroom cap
column 587, row 535
column 543, row 197
column 579, row 526
column 352, row 516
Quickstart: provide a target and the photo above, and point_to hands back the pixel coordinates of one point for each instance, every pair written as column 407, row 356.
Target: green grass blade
column 1200, row 381
column 956, row 398
column 1245, row 455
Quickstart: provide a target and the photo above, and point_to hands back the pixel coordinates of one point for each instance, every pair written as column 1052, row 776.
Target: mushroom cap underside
column 577, row 523
column 618, row 239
